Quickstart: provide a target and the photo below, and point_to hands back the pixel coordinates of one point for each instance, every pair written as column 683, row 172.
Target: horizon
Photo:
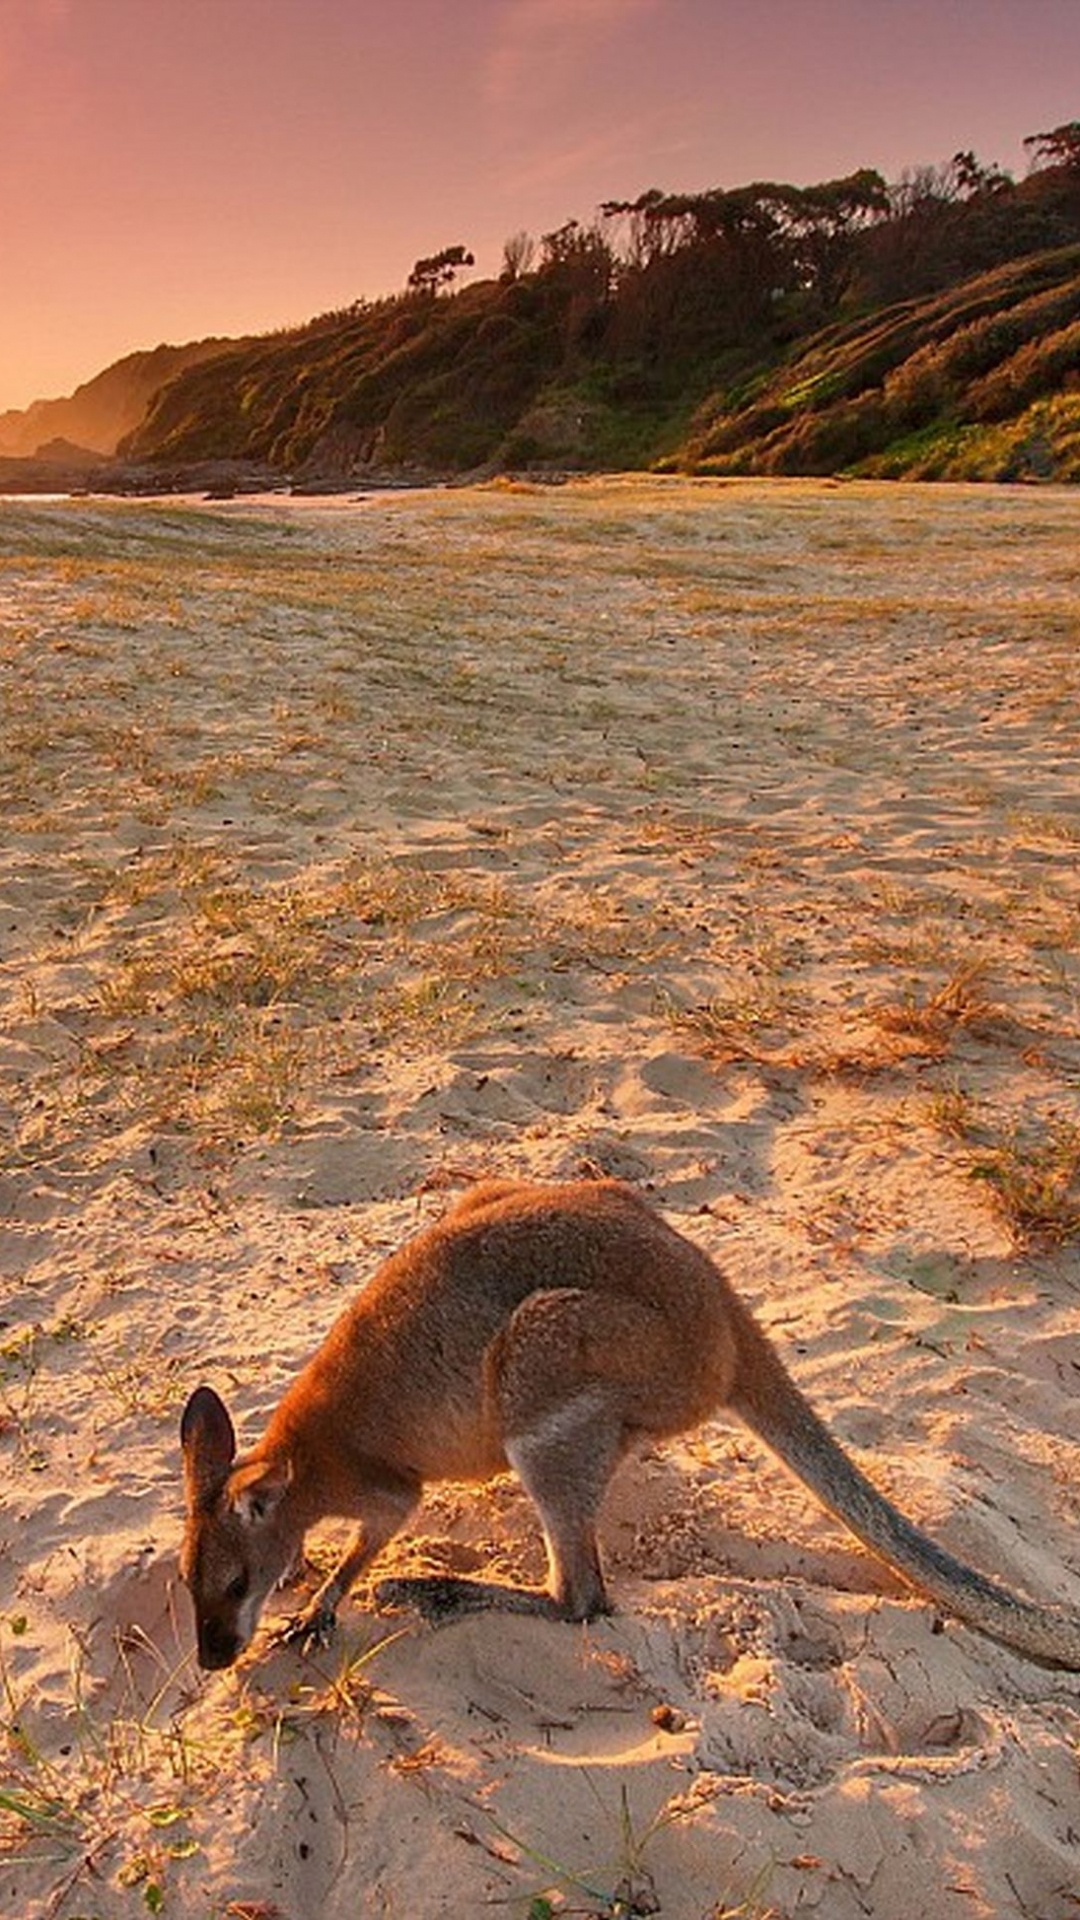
column 190, row 172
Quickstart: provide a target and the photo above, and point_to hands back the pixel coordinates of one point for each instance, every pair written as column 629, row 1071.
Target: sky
column 171, row 169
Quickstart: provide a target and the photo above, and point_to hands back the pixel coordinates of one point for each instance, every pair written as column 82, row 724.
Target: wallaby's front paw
column 310, row 1629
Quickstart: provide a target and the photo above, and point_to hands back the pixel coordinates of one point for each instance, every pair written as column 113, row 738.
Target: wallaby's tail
column 770, row 1403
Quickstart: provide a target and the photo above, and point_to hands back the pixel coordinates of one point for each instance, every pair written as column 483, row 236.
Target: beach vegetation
column 1031, row 1172
column 935, row 1016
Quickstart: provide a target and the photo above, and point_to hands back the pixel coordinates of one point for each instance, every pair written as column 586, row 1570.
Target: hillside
column 980, row 382
column 930, row 327
column 100, row 412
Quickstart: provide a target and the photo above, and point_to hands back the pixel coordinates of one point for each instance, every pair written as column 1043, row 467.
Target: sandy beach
column 724, row 837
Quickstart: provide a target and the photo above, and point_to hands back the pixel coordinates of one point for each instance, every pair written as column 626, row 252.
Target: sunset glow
column 174, row 170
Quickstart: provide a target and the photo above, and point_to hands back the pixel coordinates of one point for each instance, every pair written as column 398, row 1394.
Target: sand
column 724, row 837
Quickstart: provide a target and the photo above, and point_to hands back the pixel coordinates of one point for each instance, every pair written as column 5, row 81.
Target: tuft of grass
column 1033, row 1179
column 241, row 1077
column 389, row 893
column 140, row 1381
column 424, row 1011
column 24, row 1358
column 241, row 949
column 624, row 1891
column 934, row 1018
column 752, row 1021
column 140, row 1769
column 952, row 1112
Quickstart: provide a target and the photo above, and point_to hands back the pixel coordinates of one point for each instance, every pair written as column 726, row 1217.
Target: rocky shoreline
column 102, row 475
column 231, row 479
column 217, row 479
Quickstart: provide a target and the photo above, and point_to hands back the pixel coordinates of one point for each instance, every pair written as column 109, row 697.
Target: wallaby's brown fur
column 546, row 1328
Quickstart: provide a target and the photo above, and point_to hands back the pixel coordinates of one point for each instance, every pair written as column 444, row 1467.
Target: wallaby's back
column 406, row 1367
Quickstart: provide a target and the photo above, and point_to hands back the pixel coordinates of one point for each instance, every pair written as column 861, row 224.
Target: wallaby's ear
column 256, row 1490
column 209, row 1444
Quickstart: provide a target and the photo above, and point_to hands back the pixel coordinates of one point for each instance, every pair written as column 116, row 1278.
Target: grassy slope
column 979, row 382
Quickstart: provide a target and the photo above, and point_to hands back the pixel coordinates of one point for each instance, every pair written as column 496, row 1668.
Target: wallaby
column 544, row 1327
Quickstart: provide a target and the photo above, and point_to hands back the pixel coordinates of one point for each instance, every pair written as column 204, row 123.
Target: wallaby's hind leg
column 564, row 1464
column 568, row 1382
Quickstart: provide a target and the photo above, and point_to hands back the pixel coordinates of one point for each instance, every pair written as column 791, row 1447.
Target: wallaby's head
column 238, row 1540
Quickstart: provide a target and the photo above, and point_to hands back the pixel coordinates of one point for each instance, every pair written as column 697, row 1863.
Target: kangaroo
column 548, row 1328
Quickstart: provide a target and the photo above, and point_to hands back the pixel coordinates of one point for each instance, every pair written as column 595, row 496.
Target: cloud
column 540, row 46
column 602, row 153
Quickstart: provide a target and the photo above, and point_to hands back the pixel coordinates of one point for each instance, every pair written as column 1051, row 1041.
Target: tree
column 439, row 271
column 519, row 254
column 651, row 231
column 1058, row 148
column 971, row 177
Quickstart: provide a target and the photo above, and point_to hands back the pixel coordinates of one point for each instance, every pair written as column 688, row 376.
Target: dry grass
column 221, row 1006
column 771, row 1021
column 750, row 1025
column 1032, row 1175
column 1028, row 1167
column 933, row 1018
column 92, row 1800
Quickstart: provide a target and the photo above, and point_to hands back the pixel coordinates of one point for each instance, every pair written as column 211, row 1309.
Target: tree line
column 689, row 274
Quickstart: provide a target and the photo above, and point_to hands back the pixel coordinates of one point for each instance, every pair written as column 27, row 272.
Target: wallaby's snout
column 219, row 1645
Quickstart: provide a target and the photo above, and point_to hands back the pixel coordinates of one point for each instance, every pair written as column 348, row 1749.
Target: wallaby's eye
column 237, row 1589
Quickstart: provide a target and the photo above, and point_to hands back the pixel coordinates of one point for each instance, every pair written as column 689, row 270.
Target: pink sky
column 175, row 168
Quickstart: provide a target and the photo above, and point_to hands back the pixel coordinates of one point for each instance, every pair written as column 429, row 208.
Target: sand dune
column 725, row 837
